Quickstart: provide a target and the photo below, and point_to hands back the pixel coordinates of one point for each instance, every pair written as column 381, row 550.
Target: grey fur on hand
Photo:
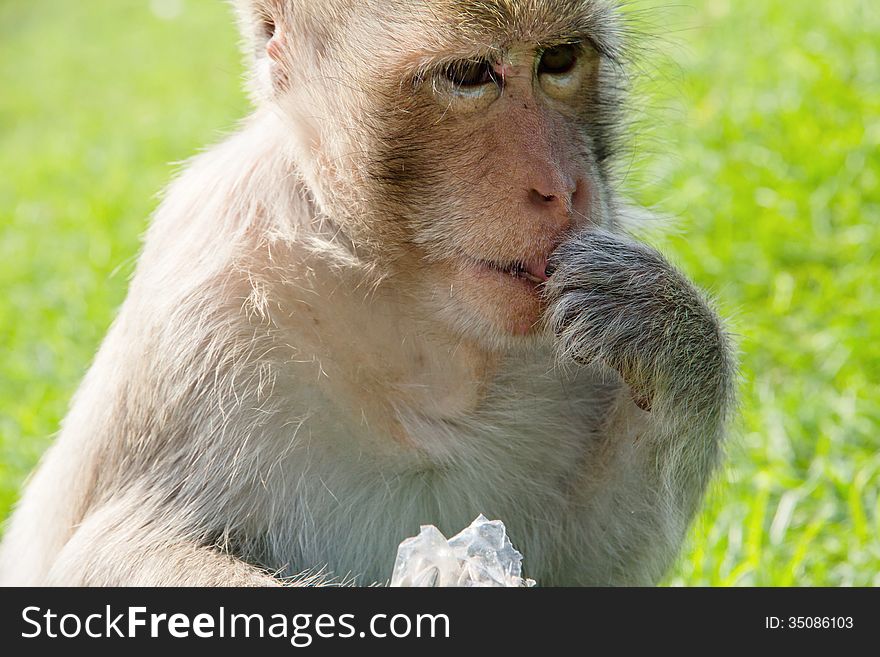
column 617, row 300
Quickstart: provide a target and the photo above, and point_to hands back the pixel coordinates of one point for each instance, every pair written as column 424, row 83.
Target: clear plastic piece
column 479, row 555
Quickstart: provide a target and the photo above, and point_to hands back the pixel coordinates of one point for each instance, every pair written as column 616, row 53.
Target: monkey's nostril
column 540, row 198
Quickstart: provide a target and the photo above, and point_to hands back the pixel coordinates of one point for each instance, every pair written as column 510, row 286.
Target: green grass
column 763, row 141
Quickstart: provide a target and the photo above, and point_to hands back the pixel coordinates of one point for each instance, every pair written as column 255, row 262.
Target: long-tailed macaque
column 400, row 294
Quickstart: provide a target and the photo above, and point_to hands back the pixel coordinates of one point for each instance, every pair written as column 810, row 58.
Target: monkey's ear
column 264, row 26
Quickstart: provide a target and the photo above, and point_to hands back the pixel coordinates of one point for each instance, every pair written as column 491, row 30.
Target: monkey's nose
column 554, row 197
column 554, row 209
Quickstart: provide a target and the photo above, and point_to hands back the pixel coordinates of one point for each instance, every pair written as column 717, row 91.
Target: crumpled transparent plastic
column 479, row 555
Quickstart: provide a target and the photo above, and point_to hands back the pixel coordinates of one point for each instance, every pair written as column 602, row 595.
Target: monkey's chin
column 513, row 303
column 499, row 309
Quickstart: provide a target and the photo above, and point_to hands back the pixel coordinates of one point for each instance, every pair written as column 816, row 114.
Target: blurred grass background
column 762, row 141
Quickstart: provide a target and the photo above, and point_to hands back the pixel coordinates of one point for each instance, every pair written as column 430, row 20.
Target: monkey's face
column 481, row 138
column 498, row 166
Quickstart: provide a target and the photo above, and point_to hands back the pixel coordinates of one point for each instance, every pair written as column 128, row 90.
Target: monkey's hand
column 618, row 301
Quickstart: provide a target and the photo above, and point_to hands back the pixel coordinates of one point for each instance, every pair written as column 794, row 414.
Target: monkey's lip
column 534, row 271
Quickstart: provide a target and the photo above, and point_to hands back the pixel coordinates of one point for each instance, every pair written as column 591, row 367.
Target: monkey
column 403, row 292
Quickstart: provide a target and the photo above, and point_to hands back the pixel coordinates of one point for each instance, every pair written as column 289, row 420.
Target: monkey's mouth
column 535, row 272
column 510, row 293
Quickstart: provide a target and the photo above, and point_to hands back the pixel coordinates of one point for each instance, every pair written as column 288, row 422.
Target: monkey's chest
column 348, row 516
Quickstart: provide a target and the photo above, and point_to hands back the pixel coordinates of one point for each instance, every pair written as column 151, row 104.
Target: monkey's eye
column 470, row 73
column 558, row 60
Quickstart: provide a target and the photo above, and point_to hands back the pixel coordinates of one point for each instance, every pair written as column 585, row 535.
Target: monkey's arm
column 119, row 545
column 616, row 303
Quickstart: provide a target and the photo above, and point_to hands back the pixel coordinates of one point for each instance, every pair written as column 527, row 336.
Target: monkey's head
column 453, row 143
